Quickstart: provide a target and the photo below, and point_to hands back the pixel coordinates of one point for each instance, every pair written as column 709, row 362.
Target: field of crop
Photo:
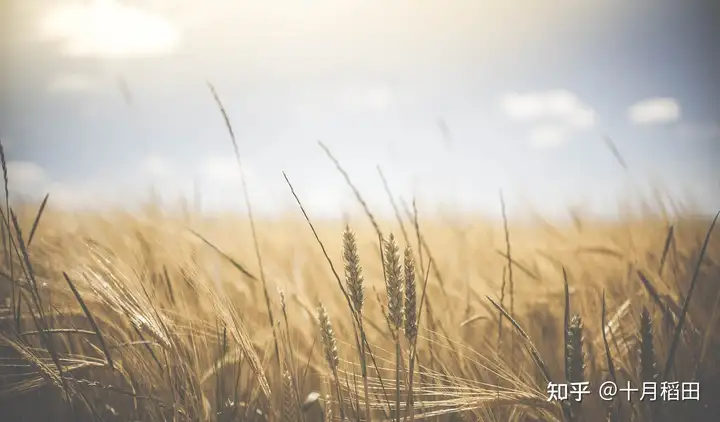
column 155, row 316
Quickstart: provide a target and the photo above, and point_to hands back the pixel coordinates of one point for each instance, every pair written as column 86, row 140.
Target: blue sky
column 526, row 89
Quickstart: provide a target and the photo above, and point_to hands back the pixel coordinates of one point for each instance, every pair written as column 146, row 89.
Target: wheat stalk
column 575, row 360
column 411, row 321
column 394, row 289
column 330, row 348
column 356, row 291
column 648, row 363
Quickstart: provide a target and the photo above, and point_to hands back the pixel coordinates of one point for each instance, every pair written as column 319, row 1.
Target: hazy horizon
column 100, row 100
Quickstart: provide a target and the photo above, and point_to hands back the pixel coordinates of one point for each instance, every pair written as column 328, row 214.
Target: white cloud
column 155, row 167
column 105, row 194
column 324, row 203
column 225, row 171
column 654, row 110
column 219, row 169
column 70, row 196
column 72, row 82
column 557, row 105
column 548, row 136
column 554, row 115
column 107, row 29
column 374, row 98
column 24, row 175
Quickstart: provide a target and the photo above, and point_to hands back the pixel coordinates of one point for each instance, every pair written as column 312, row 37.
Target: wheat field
column 160, row 315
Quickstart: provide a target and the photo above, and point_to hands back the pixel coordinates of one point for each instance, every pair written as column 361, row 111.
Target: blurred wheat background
column 504, row 195
column 150, row 316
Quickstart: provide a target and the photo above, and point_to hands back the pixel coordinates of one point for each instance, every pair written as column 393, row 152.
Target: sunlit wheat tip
column 575, row 361
column 328, row 402
column 393, row 282
column 353, row 270
column 312, row 399
column 575, row 356
column 289, row 409
column 648, row 363
column 328, row 409
column 283, row 300
column 328, row 338
column 411, row 324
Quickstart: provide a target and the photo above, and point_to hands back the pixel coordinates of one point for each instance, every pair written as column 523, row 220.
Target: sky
column 454, row 100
